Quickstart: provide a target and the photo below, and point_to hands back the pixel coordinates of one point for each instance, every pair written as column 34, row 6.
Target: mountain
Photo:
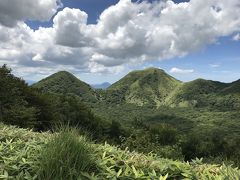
column 232, row 88
column 64, row 82
column 195, row 93
column 151, row 86
column 104, row 85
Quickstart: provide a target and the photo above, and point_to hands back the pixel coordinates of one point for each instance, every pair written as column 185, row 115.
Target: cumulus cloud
column 181, row 71
column 71, row 28
column 125, row 33
column 236, row 37
column 130, row 32
column 12, row 11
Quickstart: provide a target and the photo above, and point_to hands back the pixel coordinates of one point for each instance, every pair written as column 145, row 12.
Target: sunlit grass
column 66, row 156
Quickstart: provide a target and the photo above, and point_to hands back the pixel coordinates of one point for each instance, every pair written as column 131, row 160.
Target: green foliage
column 233, row 88
column 22, row 153
column 198, row 119
column 207, row 94
column 66, row 156
column 147, row 87
column 163, row 134
column 213, row 144
column 65, row 83
column 142, row 142
column 19, row 149
column 206, row 124
column 28, row 107
column 14, row 107
column 118, row 164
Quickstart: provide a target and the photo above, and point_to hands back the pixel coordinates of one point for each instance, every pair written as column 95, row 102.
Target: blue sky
column 216, row 59
column 92, row 7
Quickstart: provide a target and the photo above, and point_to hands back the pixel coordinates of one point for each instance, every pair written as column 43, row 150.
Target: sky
column 102, row 40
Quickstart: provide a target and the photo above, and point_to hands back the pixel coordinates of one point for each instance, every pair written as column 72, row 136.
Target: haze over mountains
column 104, row 85
column 151, row 86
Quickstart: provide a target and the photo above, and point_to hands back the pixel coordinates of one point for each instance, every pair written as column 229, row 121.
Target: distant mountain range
column 151, row 86
column 104, row 85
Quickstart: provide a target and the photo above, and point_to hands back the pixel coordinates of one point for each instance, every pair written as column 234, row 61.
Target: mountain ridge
column 151, row 86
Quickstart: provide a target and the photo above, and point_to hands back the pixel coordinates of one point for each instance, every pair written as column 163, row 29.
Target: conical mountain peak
column 148, row 86
column 64, row 82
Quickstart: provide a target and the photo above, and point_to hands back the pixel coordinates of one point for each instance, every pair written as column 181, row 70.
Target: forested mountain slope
column 150, row 87
column 64, row 82
column 146, row 87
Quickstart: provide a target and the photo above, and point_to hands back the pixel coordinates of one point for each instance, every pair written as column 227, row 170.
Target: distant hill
column 64, row 82
column 196, row 92
column 146, row 87
column 149, row 87
column 233, row 88
column 104, row 85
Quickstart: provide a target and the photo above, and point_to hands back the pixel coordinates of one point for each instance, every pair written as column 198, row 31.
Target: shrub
column 66, row 156
column 164, row 134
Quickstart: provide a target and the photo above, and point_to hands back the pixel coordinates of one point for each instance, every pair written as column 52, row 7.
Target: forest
column 132, row 130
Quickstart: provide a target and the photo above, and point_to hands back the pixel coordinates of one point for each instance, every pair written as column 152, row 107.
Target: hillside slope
column 146, row 87
column 151, row 87
column 207, row 94
column 64, row 82
column 232, row 88
column 195, row 92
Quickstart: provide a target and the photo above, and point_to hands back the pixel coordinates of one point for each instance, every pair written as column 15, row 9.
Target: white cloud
column 99, row 68
column 12, row 11
column 181, row 71
column 236, row 37
column 71, row 28
column 125, row 33
column 214, row 65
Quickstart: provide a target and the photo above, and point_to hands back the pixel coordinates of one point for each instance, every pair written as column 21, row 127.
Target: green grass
column 19, row 150
column 66, row 156
column 21, row 154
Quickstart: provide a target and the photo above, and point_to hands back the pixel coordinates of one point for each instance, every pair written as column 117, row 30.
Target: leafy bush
column 19, row 149
column 212, row 146
column 66, row 156
column 142, row 142
column 21, row 155
column 163, row 134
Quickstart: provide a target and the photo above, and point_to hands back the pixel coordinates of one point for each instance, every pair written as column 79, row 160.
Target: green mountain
column 64, row 82
column 151, row 86
column 207, row 94
column 196, row 92
column 207, row 127
column 232, row 88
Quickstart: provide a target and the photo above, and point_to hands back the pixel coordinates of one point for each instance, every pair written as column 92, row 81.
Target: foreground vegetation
column 29, row 155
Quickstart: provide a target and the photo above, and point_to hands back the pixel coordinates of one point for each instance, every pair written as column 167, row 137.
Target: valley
column 147, row 112
column 149, row 98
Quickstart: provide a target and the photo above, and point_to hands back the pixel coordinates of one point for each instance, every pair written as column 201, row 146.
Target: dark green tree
column 14, row 109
